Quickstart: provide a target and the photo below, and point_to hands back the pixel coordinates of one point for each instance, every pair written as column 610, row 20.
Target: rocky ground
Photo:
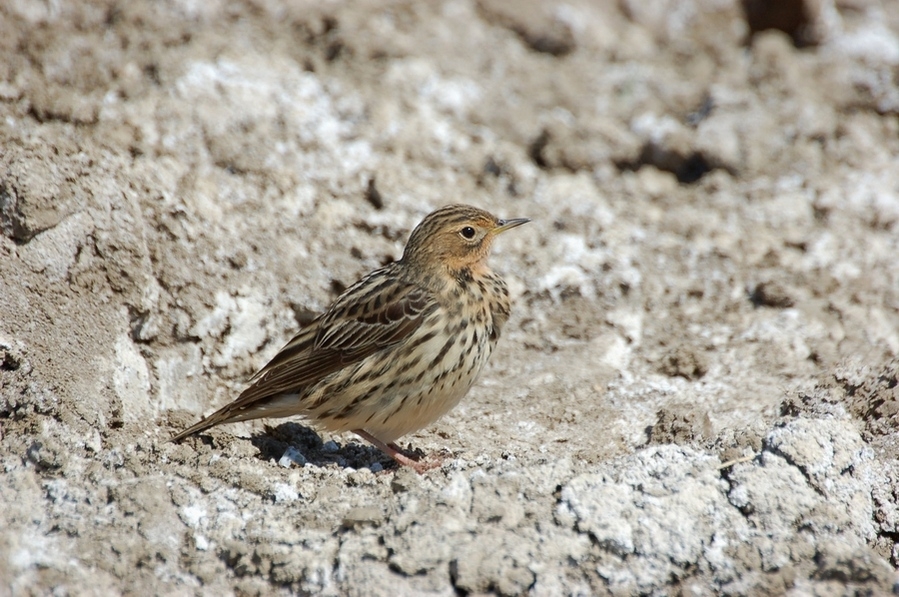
column 697, row 391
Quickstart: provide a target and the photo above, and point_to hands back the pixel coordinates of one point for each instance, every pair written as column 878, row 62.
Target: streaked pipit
column 398, row 349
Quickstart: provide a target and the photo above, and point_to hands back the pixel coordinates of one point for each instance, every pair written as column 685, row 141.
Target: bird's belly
column 422, row 406
column 424, row 384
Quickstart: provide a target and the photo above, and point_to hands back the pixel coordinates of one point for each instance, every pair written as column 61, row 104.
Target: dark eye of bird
column 468, row 232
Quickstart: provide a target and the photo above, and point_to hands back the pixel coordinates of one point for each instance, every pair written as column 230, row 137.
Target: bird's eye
column 467, row 232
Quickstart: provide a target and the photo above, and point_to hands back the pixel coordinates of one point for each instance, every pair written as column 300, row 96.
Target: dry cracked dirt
column 697, row 391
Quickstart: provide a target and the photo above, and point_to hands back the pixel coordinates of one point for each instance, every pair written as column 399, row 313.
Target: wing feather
column 368, row 317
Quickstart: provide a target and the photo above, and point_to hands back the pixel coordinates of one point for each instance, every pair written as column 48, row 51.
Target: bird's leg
column 394, row 452
column 395, row 446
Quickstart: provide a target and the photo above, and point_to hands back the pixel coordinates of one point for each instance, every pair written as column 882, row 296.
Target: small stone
column 292, row 456
column 282, row 492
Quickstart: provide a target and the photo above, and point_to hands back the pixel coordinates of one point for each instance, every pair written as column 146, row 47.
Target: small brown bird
column 399, row 348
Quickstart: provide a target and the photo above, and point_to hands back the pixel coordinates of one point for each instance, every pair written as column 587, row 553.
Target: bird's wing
column 376, row 312
column 373, row 314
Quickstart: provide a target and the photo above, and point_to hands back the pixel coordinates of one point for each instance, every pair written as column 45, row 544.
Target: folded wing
column 376, row 313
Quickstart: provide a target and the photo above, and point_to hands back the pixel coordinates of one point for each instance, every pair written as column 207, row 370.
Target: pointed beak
column 503, row 225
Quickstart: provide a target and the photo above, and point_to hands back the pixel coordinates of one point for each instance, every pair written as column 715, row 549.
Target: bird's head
column 456, row 238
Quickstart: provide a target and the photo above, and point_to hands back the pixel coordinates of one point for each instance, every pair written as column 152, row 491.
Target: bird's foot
column 420, row 466
column 398, row 454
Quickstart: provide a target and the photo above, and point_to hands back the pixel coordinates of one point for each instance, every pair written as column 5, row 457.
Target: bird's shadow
column 275, row 442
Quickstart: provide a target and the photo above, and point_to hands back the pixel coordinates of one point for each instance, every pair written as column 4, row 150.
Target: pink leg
column 394, row 452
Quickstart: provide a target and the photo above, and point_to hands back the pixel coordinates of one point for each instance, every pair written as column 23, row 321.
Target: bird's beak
column 504, row 225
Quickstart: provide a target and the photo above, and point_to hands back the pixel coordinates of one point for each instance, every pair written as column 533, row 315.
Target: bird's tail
column 201, row 425
column 283, row 405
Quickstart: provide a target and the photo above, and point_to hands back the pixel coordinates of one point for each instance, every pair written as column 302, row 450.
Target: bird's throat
column 463, row 276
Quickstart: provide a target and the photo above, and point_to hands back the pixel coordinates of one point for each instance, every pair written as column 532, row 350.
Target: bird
column 398, row 349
